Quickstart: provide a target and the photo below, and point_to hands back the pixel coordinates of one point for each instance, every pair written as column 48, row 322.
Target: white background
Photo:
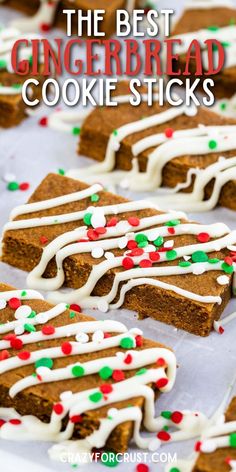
column 206, row 366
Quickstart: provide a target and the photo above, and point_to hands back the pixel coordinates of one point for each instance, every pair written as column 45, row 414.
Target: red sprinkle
column 133, row 221
column 106, row 335
column 197, row 446
column 203, row 237
column 171, row 230
column 106, row 388
column 2, row 422
column 139, row 340
column 145, row 263
column 161, row 362
column 16, row 343
column 45, row 27
column 163, row 436
column 132, row 244
column 75, row 307
column 15, row 421
column 48, row 330
column 14, row 303
column 92, row 234
column 154, row 256
column 24, row 355
column 161, row 383
column 128, row 359
column 169, row 132
column 58, row 408
column 142, row 468
column 221, row 330
column 76, row 419
column 4, row 355
column 127, row 263
column 24, row 186
column 43, row 121
column 138, row 251
column 177, row 417
column 100, row 230
column 112, row 222
column 43, row 239
column 118, row 375
column 66, row 348
column 228, row 260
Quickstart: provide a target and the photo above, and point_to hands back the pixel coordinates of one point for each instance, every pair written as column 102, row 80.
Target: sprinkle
column 177, row 417
column 232, row 440
column 169, row 132
column 58, row 408
column 127, row 343
column 140, row 238
column 128, row 359
column 97, row 252
column 23, row 312
column 112, row 222
column 229, row 269
column 95, row 198
column 159, row 241
column 103, row 306
column 132, row 244
column 134, row 221
column 171, row 230
column 166, row 415
column 142, row 468
column 4, row 355
column 43, row 240
column 45, row 27
column 61, row 171
column 76, row 131
column 2, row 422
column 163, row 436
column 76, row 419
column 87, row 219
column 29, row 328
column 77, row 371
column 118, row 375
column 75, row 307
column 16, row 343
column 154, row 256
column 105, row 372
column 92, row 234
column 43, row 121
column 199, row 256
column 109, row 459
column 138, row 251
column 161, row 362
column 145, row 263
column 15, row 422
column 174, row 469
column 106, row 388
column 8, row 177
column 161, row 383
column 24, row 355
column 172, row 223
column 24, row 186
column 223, row 280
column 127, row 263
column 203, row 237
column 48, row 330
column 3, row 304
column 139, row 340
column 44, row 362
column 212, row 144
column 66, row 348
column 171, row 255
column 184, row 264
column 95, row 397
column 141, row 371
column 197, row 446
column 14, row 303
column 228, row 260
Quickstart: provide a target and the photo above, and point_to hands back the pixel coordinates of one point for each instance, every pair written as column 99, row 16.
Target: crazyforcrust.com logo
column 118, row 458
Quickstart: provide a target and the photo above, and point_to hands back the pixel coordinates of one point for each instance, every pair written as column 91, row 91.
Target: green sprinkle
column 67, row 306
column 29, row 328
column 223, row 106
column 141, row 371
column 227, row 268
column 166, row 414
column 184, row 264
column 115, row 132
column 109, row 459
column 72, row 315
column 199, row 256
column 213, row 260
column 127, row 343
column 31, row 60
column 32, row 314
column 77, row 371
column 16, row 86
column 172, row 223
column 3, row 64
column 143, row 244
column 171, row 255
column 34, row 374
column 76, row 131
column 87, row 219
column 232, row 440
column 105, row 372
column 95, row 397
column 95, row 197
column 44, row 362
column 175, row 469
column 23, row 293
column 213, row 28
column 12, row 186
column 140, row 238
column 165, row 428
column 212, row 144
column 61, row 172
column 159, row 241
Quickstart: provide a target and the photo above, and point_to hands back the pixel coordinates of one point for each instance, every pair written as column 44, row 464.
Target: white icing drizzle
column 118, row 236
column 219, row 326
column 41, row 21
column 72, row 405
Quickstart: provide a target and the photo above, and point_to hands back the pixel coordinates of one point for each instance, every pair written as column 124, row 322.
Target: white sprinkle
column 98, row 336
column 191, row 110
column 208, row 446
column 8, row 177
column 136, row 331
column 97, row 252
column 98, row 219
column 169, row 244
column 3, row 304
column 186, row 258
column 19, row 330
column 82, row 338
column 109, row 255
column 23, row 312
column 42, row 371
column 103, row 306
column 199, row 269
column 223, row 280
column 66, row 395
column 154, row 444
column 122, row 243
